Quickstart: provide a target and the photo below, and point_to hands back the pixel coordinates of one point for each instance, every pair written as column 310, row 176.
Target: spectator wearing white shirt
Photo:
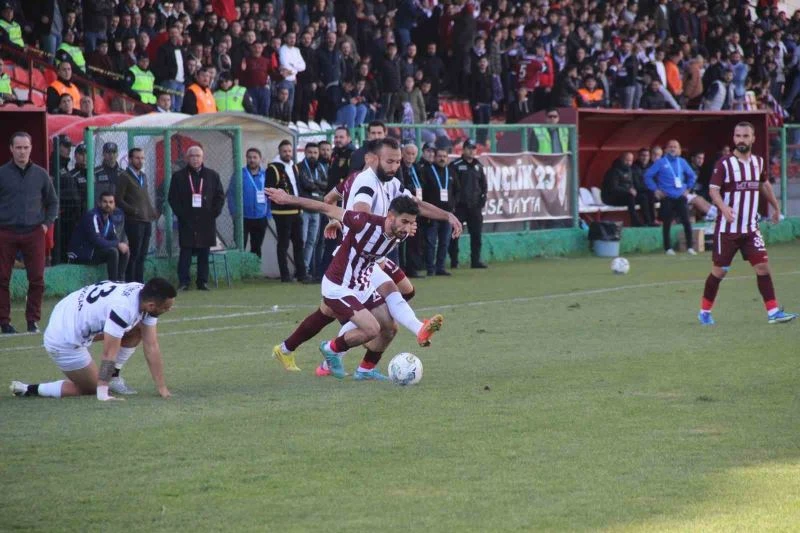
column 292, row 63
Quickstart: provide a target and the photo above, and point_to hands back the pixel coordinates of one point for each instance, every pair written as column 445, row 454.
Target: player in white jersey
column 347, row 289
column 123, row 315
column 371, row 191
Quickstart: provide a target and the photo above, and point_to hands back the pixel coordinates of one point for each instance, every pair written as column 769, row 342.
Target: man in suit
column 197, row 198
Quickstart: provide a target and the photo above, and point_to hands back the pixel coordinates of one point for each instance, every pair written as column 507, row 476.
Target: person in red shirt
column 254, row 75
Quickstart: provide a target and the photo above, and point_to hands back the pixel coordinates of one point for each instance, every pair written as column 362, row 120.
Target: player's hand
column 123, row 248
column 164, row 393
column 279, row 196
column 332, row 229
column 727, row 213
column 775, row 217
column 104, row 396
column 455, row 224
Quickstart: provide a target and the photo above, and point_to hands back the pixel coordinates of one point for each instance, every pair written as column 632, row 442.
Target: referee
column 470, row 199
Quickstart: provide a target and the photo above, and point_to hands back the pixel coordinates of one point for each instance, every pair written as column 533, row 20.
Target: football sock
column 308, row 328
column 402, row 312
column 50, row 390
column 407, row 297
column 370, row 361
column 338, row 345
column 350, row 326
column 767, row 291
column 122, row 357
column 33, row 390
column 710, row 292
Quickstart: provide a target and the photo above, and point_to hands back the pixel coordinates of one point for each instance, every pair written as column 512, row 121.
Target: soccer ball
column 405, row 369
column 620, row 265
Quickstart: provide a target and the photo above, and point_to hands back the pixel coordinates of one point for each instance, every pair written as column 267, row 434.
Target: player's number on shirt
column 99, row 292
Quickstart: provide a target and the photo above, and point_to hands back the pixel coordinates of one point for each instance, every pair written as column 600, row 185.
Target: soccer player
column 347, row 289
column 124, row 314
column 734, row 188
column 374, row 188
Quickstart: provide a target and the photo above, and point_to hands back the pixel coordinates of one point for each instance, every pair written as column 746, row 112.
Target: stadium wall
column 497, row 247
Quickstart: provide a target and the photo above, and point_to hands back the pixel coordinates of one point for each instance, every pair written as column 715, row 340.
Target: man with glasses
column 550, row 140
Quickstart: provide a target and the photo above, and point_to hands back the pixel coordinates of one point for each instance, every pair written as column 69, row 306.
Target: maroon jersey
column 739, row 186
column 363, row 245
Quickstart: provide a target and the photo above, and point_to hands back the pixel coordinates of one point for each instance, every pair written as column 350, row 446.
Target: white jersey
column 367, row 188
column 105, row 307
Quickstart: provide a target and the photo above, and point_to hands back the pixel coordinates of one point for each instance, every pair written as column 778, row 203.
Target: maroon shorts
column 750, row 244
column 394, row 271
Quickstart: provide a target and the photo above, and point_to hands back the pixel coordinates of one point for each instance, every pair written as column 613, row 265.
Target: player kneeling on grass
column 123, row 315
column 347, row 291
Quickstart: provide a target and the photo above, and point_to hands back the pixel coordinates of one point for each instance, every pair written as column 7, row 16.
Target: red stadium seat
column 447, row 108
column 38, row 98
column 50, row 76
column 21, row 76
column 465, row 113
column 39, row 81
column 100, row 105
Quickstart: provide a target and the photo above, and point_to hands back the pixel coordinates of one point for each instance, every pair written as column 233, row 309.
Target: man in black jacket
column 197, row 198
column 410, row 175
column 134, row 200
column 470, row 197
column 482, row 97
column 389, row 81
column 169, row 67
column 313, row 181
column 282, row 173
column 107, row 174
column 376, row 130
column 619, row 190
column 438, row 189
column 96, row 15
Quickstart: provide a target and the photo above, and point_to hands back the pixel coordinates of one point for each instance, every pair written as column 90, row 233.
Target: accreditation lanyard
column 197, row 196
column 675, row 175
column 442, row 188
column 417, row 184
column 108, row 227
column 316, row 169
column 260, row 197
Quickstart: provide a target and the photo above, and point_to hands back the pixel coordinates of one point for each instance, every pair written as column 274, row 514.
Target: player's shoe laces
column 780, row 317
column 286, row 359
column 18, row 388
column 369, row 375
column 429, row 327
column 119, row 386
column 334, row 361
column 705, row 318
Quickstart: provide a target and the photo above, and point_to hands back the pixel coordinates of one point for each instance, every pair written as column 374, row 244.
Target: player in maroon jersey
column 734, row 188
column 347, row 290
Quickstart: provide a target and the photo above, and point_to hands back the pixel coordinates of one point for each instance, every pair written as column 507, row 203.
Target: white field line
column 572, row 294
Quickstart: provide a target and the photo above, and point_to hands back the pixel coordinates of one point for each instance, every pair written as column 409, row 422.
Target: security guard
column 470, row 199
column 140, row 80
column 198, row 98
column 107, row 174
column 6, row 91
column 67, row 51
column 230, row 97
column 62, row 84
column 10, row 29
column 550, row 140
column 72, row 196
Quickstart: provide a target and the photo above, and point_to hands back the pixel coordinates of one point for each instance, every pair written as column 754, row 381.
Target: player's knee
column 762, row 269
column 371, row 330
column 386, row 288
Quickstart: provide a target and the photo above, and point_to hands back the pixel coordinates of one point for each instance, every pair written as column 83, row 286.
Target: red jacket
column 535, row 72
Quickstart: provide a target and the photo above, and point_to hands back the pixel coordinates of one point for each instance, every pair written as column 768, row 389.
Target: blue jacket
column 665, row 173
column 250, row 184
column 94, row 230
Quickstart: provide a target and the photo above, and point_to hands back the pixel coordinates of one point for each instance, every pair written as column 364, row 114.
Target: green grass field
column 557, row 397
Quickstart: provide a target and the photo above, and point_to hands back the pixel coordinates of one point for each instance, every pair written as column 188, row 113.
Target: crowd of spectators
column 352, row 61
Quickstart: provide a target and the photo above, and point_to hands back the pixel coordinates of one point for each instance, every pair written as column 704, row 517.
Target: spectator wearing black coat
column 170, row 67
column 389, row 82
column 619, row 190
column 653, row 98
column 482, row 97
column 96, row 17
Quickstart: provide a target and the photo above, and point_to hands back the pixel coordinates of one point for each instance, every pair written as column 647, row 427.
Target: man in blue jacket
column 671, row 178
column 254, row 201
column 97, row 239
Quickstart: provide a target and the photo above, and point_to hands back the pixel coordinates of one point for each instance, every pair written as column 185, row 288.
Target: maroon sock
column 767, row 291
column 339, row 345
column 407, row 297
column 308, row 328
column 710, row 292
column 371, row 358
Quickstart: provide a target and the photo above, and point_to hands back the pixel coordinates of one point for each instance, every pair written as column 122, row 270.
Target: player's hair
column 311, row 145
column 133, row 151
column 404, row 205
column 284, row 143
column 253, row 149
column 389, row 143
column 745, row 124
column 372, row 147
column 20, row 134
column 157, row 290
column 376, row 124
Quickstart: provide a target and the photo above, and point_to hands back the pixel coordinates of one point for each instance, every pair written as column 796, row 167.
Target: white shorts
column 69, row 358
column 379, row 277
column 332, row 291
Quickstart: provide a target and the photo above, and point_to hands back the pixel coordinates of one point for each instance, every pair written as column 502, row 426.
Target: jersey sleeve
column 718, row 175
column 149, row 320
column 355, row 220
column 362, row 190
column 340, row 188
column 117, row 322
column 762, row 177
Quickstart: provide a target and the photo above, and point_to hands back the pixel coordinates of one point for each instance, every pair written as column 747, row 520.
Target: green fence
column 164, row 150
column 786, row 142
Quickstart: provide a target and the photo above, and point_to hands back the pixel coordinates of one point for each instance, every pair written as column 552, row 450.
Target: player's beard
column 743, row 148
column 382, row 174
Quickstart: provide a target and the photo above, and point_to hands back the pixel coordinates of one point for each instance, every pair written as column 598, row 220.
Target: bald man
column 196, row 197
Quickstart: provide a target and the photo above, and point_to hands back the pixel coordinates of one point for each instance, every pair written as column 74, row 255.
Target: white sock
column 122, row 357
column 350, row 326
column 402, row 312
column 51, row 390
column 772, row 311
column 284, row 349
column 712, row 213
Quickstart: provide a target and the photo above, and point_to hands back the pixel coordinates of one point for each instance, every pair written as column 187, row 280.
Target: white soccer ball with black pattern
column 405, row 369
column 620, row 265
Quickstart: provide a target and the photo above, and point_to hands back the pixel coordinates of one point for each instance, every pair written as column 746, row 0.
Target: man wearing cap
column 134, row 200
column 107, row 174
column 470, row 193
column 64, row 148
column 72, row 196
column 428, row 155
column 230, row 97
column 198, row 98
column 28, row 206
column 68, row 51
column 62, row 84
column 139, row 80
column 10, row 30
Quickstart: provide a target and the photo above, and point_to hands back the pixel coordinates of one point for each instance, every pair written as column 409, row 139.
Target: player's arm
column 714, row 186
column 281, row 197
column 111, row 345
column 769, row 193
column 332, row 197
column 152, row 354
column 434, row 213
